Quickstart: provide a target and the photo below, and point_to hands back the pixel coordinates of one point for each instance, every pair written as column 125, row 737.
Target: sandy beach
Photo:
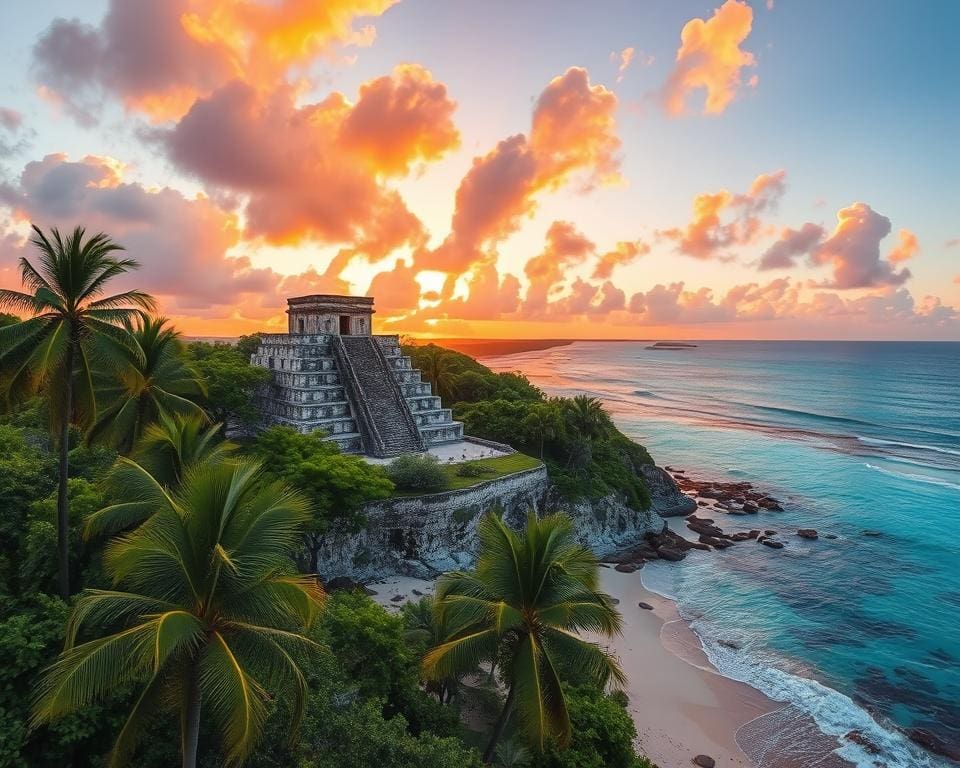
column 681, row 706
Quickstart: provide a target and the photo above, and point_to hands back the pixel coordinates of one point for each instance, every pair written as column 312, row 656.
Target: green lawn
column 498, row 467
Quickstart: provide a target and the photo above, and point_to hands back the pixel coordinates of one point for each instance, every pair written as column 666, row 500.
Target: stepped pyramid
column 331, row 373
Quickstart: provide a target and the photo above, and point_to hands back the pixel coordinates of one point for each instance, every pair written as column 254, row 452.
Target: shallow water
column 859, row 632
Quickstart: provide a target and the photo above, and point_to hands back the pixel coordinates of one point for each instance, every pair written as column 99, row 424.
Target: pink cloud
column 853, row 251
column 791, row 244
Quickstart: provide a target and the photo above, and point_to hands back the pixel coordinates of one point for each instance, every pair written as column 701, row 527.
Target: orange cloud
column 565, row 247
column 316, row 171
column 710, row 58
column 573, row 132
column 906, row 249
column 625, row 252
column 574, row 129
column 399, row 119
column 159, row 56
column 624, row 59
column 708, row 235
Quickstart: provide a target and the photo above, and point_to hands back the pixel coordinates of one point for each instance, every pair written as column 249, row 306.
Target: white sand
column 682, row 707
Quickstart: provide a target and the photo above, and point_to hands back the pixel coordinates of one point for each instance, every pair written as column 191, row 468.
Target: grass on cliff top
column 496, row 468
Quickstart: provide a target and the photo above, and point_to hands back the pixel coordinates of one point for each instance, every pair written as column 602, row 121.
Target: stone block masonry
column 353, row 385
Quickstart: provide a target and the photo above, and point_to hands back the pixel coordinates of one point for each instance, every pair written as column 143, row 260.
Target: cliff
column 425, row 535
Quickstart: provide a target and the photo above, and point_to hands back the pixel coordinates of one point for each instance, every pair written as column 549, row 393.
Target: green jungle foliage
column 586, row 455
column 191, row 559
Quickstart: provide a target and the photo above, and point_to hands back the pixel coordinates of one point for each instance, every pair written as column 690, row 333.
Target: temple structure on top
column 330, row 372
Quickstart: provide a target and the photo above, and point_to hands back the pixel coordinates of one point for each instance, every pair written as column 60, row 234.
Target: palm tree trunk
column 63, row 504
column 191, row 724
column 499, row 727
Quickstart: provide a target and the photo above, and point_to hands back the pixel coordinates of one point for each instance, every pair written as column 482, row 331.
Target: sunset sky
column 565, row 169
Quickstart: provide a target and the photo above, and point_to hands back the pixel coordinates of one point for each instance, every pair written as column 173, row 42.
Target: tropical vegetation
column 182, row 620
column 522, row 608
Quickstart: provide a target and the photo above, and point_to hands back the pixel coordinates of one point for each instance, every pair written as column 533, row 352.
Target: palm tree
column 210, row 614
column 70, row 323
column 439, row 367
column 545, row 422
column 152, row 378
column 586, row 416
column 426, row 626
column 168, row 448
column 530, row 594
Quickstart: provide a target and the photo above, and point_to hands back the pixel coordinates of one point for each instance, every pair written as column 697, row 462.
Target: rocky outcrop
column 665, row 495
column 426, row 535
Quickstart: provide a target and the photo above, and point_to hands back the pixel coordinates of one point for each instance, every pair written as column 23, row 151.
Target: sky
column 765, row 169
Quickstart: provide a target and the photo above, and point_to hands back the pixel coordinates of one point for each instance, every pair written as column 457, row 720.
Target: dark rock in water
column 702, row 545
column 398, row 598
column 417, row 592
column 729, row 644
column 626, row 567
column 741, row 536
column 829, row 535
column 671, row 554
column 602, row 565
column 754, row 533
column 933, row 743
column 750, row 508
column 772, row 544
column 703, row 503
column 873, row 533
column 645, row 606
column 704, row 761
column 769, row 533
column 858, row 737
column 738, row 512
column 770, row 504
column 695, row 519
column 807, row 533
column 713, row 541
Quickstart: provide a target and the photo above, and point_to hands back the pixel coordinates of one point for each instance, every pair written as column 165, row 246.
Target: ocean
column 859, row 633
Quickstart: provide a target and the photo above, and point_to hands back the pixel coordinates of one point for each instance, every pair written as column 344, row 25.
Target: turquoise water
column 860, row 632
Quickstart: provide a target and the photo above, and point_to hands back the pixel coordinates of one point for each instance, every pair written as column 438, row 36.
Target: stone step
column 433, row 417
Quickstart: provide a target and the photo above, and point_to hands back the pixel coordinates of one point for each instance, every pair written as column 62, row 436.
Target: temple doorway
column 344, row 325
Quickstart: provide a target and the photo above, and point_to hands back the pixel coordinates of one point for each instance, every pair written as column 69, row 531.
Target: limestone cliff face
column 425, row 535
column 665, row 495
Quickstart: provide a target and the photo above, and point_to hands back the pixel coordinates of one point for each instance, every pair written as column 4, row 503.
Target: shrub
column 417, row 472
column 472, row 469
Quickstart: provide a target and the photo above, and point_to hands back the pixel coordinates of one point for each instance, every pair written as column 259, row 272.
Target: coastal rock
column 769, row 533
column 701, row 545
column 742, row 536
column 772, row 544
column 626, row 567
column 933, row 743
column 729, row 644
column 858, row 737
column 873, row 533
column 807, row 533
column 750, row 508
column 665, row 495
column 669, row 553
column 829, row 535
column 770, row 504
column 713, row 541
column 754, row 533
column 704, row 761
column 645, row 606
column 398, row 598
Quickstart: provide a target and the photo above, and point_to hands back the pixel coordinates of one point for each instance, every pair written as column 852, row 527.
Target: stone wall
column 426, row 535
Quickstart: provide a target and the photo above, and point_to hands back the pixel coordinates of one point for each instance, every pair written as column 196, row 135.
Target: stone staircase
column 360, row 390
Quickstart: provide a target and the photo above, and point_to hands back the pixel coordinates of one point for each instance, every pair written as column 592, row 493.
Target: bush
column 471, row 469
column 417, row 472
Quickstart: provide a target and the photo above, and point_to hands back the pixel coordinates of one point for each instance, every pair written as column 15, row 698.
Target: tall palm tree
column 544, row 421
column 69, row 323
column 529, row 595
column 168, row 448
column 210, row 614
column 152, row 378
column 439, row 367
column 587, row 416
